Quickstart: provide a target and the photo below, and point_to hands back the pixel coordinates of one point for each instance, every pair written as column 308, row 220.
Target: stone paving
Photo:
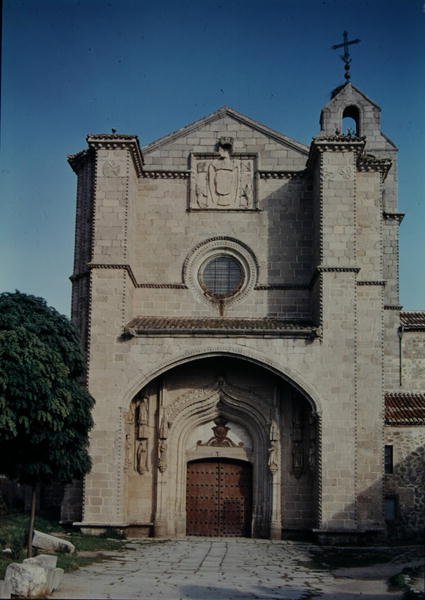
column 217, row 568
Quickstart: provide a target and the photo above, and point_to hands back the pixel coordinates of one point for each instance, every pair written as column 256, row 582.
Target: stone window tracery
column 221, row 276
column 220, row 270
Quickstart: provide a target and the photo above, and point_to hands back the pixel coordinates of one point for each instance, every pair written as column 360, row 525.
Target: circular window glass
column 222, row 276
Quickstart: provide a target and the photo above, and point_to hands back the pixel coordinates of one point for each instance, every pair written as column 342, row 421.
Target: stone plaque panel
column 222, row 181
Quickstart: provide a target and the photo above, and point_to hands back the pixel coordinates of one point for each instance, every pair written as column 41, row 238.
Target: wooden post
column 32, row 519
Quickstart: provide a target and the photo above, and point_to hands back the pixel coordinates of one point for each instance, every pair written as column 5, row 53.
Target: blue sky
column 72, row 67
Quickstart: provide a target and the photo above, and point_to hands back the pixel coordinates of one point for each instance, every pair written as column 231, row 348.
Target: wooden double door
column 219, row 497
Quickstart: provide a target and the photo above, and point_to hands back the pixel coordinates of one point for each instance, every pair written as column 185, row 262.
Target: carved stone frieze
column 182, row 402
column 221, row 391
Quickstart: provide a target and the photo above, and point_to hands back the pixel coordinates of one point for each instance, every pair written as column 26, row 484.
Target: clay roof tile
column 404, row 408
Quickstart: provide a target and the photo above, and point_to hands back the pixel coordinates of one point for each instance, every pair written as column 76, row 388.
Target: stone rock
column 27, row 580
column 4, row 590
column 45, row 541
column 48, row 561
column 7, row 551
column 57, row 578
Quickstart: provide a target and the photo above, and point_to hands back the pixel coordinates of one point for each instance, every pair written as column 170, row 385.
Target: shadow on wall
column 403, row 508
column 404, row 496
column 289, row 211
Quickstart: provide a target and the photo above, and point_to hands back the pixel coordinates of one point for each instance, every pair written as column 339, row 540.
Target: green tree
column 45, row 410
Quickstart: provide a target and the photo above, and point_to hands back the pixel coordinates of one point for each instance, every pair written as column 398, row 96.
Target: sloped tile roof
column 404, row 408
column 217, row 326
column 412, row 320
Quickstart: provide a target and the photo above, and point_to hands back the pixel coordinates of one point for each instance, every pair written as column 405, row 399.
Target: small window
column 390, row 508
column 389, row 460
column 222, row 276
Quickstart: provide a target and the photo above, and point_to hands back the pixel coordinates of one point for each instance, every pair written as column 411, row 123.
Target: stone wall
column 313, row 244
column 413, row 360
column 407, row 483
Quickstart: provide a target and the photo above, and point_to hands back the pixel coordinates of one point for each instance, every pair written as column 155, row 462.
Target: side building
column 237, row 293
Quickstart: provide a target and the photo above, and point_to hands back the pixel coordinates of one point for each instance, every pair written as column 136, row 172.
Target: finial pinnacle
column 346, row 58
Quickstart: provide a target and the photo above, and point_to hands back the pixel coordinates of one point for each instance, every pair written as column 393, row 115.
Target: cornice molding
column 176, row 286
column 128, row 269
column 108, row 141
column 78, row 160
column 212, row 327
column 165, row 174
column 282, row 174
column 339, row 143
column 282, row 286
column 168, row 286
column 335, row 143
column 120, row 267
column 336, row 269
column 393, row 216
column 370, row 164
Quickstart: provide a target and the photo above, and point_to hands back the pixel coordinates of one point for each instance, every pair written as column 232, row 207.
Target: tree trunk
column 32, row 519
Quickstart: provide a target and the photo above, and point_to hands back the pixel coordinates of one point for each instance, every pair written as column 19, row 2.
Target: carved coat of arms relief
column 222, row 181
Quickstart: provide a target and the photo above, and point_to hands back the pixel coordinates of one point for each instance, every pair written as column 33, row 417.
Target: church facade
column 237, row 294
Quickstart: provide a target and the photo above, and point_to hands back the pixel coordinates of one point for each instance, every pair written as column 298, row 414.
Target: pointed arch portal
column 228, row 449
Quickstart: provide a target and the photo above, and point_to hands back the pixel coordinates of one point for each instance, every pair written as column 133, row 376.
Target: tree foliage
column 45, row 410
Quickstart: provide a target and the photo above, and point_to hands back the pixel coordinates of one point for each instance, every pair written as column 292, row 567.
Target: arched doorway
column 219, row 497
column 221, row 412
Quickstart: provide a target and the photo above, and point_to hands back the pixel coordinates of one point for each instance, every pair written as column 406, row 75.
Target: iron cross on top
column 346, row 56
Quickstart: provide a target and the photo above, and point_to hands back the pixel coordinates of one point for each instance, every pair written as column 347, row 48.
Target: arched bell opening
column 350, row 123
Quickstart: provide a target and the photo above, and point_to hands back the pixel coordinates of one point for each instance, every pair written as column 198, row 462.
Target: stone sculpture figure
column 162, row 443
column 142, row 417
column 142, row 457
column 162, row 458
column 273, row 461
